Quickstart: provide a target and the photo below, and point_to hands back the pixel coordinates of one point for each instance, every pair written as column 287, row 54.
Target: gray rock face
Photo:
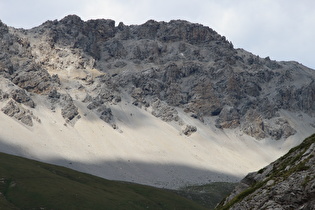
column 105, row 113
column 161, row 66
column 3, row 95
column 36, row 81
column 163, row 111
column 20, row 96
column 260, row 128
column 228, row 118
column 68, row 110
column 288, row 183
column 98, row 104
column 18, row 64
column 14, row 110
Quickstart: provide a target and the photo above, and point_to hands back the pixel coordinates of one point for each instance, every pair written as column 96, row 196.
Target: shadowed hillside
column 28, row 184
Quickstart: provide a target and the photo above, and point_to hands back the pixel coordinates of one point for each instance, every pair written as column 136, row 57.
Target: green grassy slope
column 208, row 195
column 28, row 184
column 279, row 172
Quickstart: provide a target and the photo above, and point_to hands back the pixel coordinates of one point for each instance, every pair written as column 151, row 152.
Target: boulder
column 189, row 129
column 68, row 110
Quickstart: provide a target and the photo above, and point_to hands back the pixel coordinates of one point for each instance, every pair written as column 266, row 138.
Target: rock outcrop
column 287, row 183
column 68, row 110
column 20, row 96
column 16, row 111
column 189, row 129
column 163, row 111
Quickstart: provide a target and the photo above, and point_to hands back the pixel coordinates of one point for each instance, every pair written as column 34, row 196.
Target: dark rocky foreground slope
column 161, row 66
column 288, row 183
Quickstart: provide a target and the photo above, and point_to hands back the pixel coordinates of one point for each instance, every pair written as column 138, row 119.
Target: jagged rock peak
column 74, row 20
column 175, row 30
column 3, row 28
column 71, row 19
column 1, row 24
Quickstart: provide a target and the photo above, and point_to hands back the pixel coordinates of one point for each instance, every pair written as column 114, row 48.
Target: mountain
column 287, row 183
column 163, row 104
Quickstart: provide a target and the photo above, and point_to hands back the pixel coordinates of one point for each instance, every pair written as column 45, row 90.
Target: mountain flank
column 161, row 66
column 115, row 100
column 287, row 183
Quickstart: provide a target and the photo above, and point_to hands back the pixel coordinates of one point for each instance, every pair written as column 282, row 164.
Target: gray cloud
column 27, row 14
column 282, row 29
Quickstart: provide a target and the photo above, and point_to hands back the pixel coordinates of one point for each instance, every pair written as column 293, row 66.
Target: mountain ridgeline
column 161, row 65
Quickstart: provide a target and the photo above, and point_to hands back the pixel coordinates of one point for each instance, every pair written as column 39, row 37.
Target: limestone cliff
column 161, row 66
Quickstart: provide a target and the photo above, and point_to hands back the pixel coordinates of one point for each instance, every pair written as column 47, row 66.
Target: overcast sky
column 281, row 29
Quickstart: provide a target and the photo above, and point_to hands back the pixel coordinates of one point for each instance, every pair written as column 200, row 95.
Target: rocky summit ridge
column 184, row 74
